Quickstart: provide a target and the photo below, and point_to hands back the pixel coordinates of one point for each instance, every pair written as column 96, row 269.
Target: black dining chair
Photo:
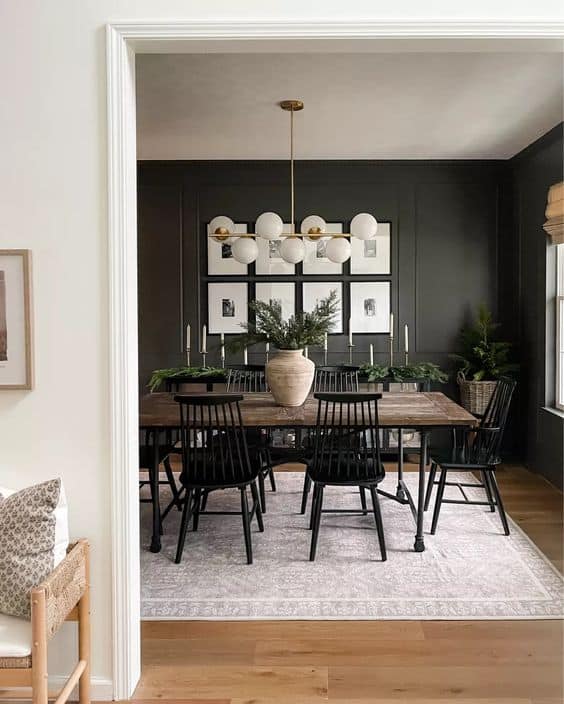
column 479, row 451
column 248, row 379
column 146, row 460
column 218, row 459
column 339, row 378
column 346, row 452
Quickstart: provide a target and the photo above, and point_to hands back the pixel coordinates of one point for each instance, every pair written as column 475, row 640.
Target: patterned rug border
column 411, row 610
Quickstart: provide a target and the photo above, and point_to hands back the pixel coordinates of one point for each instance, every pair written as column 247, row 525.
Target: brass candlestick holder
column 351, row 348
column 203, row 353
column 187, row 356
column 391, row 351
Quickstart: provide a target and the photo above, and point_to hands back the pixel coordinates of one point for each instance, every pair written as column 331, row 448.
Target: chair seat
column 361, row 474
column 15, row 637
column 146, row 455
column 455, row 459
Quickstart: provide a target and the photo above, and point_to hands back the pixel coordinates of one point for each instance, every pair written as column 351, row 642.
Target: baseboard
column 101, row 689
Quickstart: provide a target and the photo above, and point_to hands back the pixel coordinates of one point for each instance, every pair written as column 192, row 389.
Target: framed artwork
column 227, row 308
column 269, row 260
column 314, row 291
column 220, row 257
column 284, row 293
column 16, row 353
column 372, row 256
column 315, row 261
column 370, row 306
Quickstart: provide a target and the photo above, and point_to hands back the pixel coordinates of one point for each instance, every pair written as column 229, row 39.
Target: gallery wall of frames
column 434, row 259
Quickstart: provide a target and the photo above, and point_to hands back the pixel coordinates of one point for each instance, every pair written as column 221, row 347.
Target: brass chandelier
column 270, row 226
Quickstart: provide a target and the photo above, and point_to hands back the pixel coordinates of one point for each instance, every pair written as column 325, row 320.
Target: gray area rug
column 469, row 570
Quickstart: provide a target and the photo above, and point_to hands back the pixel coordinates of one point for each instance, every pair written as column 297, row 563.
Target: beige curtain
column 554, row 225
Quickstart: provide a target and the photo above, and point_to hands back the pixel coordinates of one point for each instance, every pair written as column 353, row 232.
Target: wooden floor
column 302, row 662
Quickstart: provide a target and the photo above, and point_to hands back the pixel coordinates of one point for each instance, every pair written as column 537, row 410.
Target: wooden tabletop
column 395, row 410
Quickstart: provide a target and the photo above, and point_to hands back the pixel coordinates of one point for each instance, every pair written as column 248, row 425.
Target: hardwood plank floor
column 422, row 662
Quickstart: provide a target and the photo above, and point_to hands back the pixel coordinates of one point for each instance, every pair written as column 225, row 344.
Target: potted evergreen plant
column 481, row 362
column 289, row 374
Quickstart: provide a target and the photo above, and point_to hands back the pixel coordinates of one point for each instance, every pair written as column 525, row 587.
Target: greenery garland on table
column 159, row 375
column 419, row 370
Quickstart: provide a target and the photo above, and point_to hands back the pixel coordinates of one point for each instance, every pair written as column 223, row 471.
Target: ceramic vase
column 289, row 376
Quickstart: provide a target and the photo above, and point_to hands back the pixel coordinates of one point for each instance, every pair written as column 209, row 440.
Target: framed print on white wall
column 16, row 353
column 227, row 308
column 372, row 256
column 314, row 291
column 269, row 260
column 220, row 257
column 315, row 261
column 284, row 293
column 370, row 306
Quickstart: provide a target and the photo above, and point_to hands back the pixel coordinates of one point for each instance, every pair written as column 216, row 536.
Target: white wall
column 53, row 201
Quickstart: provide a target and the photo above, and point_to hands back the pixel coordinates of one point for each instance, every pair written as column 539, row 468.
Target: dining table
column 423, row 412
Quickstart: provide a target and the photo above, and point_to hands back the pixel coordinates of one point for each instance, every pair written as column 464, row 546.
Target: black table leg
column 154, row 478
column 419, row 541
column 400, row 493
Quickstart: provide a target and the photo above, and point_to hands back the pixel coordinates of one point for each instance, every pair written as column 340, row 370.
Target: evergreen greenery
column 481, row 357
column 419, row 370
column 159, row 375
column 299, row 331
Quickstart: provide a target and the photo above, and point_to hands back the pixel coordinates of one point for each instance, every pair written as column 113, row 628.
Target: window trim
column 559, row 346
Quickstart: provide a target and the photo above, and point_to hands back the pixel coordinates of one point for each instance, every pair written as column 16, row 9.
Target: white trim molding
column 123, row 40
column 122, row 224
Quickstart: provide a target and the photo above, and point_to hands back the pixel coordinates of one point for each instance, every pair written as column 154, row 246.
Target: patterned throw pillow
column 31, row 541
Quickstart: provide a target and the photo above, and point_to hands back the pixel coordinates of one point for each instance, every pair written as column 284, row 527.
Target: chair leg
column 256, row 500
column 39, row 652
column 487, row 487
column 262, row 492
column 318, row 500
column 246, row 525
column 197, row 508
column 270, row 470
column 305, row 492
column 439, row 500
column 172, row 483
column 430, row 484
column 186, row 515
column 205, row 495
column 500, row 507
column 314, row 499
column 379, row 523
column 363, row 500
column 84, row 636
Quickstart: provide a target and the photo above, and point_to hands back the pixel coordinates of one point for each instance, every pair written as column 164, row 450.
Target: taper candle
column 267, row 347
column 391, row 325
column 371, row 355
column 406, row 331
column 245, row 356
column 187, row 337
column 306, row 352
column 325, row 342
column 350, row 331
column 204, row 339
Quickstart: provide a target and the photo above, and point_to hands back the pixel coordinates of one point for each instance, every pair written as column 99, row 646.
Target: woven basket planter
column 475, row 395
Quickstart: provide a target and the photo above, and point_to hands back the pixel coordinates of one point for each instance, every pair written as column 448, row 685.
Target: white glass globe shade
column 364, row 226
column 313, row 222
column 222, row 222
column 338, row 250
column 292, row 250
column 269, row 226
column 244, row 250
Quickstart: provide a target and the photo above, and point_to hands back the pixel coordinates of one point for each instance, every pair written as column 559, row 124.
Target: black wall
column 529, row 300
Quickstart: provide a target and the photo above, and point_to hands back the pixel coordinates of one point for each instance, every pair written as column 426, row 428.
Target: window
column 560, row 327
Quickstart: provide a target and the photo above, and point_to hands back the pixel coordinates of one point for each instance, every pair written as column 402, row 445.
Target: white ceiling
column 357, row 105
